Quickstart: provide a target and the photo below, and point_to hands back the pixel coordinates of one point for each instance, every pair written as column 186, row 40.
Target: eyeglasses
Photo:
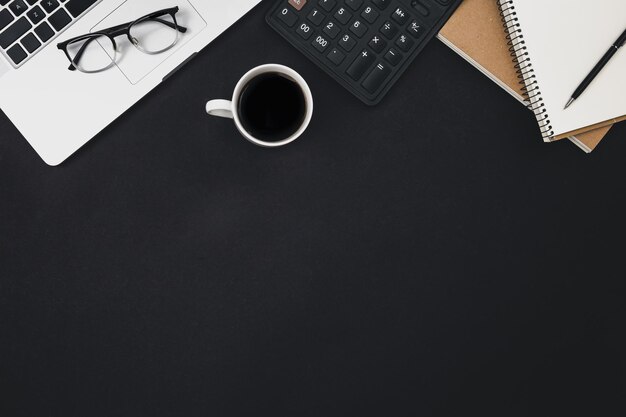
column 151, row 34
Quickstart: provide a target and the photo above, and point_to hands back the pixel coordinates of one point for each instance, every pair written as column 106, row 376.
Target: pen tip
column 571, row 100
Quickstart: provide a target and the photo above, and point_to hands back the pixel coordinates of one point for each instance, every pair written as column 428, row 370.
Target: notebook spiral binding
column 524, row 68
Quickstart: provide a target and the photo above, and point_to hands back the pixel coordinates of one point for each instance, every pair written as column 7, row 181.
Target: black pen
column 596, row 70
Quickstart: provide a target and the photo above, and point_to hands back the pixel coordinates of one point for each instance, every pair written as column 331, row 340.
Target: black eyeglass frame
column 120, row 30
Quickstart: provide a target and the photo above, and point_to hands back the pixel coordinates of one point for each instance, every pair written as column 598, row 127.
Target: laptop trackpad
column 135, row 64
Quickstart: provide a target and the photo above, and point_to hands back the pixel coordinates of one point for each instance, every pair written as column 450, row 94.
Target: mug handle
column 220, row 108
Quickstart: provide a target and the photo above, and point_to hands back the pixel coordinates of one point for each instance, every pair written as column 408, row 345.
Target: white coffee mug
column 228, row 109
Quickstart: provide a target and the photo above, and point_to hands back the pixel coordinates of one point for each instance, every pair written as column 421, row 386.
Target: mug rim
column 263, row 69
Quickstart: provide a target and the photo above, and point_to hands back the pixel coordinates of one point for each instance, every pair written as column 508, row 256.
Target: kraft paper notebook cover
column 476, row 32
column 557, row 43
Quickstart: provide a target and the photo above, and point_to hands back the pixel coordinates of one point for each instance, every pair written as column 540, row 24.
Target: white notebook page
column 565, row 39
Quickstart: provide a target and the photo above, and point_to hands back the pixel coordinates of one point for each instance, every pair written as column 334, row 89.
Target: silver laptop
column 63, row 77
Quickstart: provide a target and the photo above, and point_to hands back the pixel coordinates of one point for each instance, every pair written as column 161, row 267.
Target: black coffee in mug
column 272, row 107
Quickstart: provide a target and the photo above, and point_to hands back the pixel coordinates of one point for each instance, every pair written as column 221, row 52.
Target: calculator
column 365, row 45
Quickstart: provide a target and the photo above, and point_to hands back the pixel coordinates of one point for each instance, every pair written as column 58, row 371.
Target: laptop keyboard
column 26, row 26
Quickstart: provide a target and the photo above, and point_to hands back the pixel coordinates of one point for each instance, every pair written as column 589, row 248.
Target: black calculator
column 365, row 45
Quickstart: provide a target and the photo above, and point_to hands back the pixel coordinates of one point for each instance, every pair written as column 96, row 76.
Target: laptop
column 57, row 109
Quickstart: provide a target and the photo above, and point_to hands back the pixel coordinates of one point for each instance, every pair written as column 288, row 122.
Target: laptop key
column 59, row 19
column 14, row 32
column 31, row 43
column 5, row 18
column 77, row 7
column 35, row 14
column 49, row 5
column 18, row 7
column 44, row 31
column 17, row 54
column 4, row 2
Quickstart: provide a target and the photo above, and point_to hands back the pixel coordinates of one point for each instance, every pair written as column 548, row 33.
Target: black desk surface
column 429, row 256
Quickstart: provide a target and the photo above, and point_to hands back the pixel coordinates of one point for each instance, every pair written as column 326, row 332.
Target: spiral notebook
column 476, row 33
column 556, row 43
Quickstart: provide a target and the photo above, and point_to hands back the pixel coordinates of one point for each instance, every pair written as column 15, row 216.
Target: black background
column 429, row 256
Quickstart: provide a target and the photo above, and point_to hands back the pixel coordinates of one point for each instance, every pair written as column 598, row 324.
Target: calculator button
column 358, row 28
column 376, row 78
column 354, row 4
column 362, row 62
column 336, row 56
column 370, row 14
column 320, row 44
column 304, row 31
column 415, row 29
column 389, row 30
column 297, row 4
column 421, row 8
column 288, row 17
column 400, row 16
column 377, row 44
column 332, row 29
column 347, row 42
column 343, row 16
column 404, row 43
column 381, row 4
column 393, row 57
column 327, row 4
column 316, row 17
